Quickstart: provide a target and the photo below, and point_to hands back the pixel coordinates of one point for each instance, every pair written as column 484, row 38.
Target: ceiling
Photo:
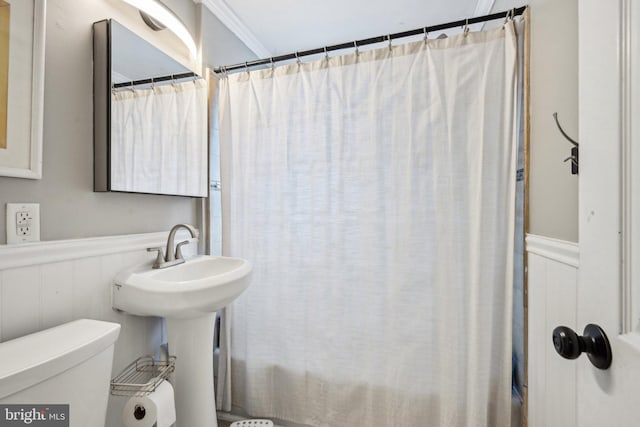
column 276, row 27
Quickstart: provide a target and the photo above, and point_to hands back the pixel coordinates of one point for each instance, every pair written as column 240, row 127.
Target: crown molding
column 229, row 18
column 483, row 7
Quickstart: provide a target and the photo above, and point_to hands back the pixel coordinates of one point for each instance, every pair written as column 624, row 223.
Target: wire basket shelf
column 142, row 376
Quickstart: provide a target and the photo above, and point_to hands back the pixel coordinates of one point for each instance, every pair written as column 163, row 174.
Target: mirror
column 150, row 118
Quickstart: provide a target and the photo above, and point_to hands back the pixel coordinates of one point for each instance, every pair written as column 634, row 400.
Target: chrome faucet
column 172, row 258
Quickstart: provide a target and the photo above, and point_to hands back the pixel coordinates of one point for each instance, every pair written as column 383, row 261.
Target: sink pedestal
column 187, row 295
column 191, row 341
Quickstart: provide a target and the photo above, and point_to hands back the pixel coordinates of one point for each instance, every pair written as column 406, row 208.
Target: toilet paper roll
column 157, row 407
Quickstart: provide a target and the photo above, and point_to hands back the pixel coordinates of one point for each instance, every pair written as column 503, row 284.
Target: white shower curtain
column 374, row 195
column 159, row 139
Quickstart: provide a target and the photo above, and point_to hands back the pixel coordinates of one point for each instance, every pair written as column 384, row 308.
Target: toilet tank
column 68, row 364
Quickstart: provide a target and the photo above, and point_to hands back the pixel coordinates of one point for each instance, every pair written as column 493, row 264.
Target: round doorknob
column 594, row 342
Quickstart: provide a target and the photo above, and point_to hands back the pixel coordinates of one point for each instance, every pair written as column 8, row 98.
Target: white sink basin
column 187, row 296
column 201, row 285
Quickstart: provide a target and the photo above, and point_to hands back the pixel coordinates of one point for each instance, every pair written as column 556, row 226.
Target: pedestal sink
column 187, row 296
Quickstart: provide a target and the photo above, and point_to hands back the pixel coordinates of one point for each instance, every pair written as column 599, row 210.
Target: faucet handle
column 179, row 249
column 159, row 259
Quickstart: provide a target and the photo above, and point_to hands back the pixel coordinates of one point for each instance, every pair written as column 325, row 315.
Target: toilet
column 68, row 364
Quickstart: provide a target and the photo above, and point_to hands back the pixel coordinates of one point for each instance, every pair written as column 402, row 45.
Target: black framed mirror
column 150, row 118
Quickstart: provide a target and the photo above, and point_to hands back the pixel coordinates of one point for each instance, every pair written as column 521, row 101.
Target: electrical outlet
column 23, row 222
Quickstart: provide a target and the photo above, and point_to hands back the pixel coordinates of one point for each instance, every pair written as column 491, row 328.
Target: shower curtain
column 374, row 194
column 158, row 139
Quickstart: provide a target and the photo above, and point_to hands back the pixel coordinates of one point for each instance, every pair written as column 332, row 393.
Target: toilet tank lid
column 33, row 358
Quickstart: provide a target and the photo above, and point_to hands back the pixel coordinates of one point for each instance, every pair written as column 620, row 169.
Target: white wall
column 49, row 283
column 219, row 45
column 46, row 284
column 554, row 88
column 69, row 207
column 553, row 281
column 553, row 207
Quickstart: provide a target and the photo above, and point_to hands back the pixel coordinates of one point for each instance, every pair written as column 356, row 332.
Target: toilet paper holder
column 139, row 412
column 142, row 376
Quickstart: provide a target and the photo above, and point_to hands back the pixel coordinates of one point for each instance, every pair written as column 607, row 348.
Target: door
column 609, row 209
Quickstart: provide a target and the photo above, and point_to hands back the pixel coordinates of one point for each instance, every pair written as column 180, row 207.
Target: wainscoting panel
column 49, row 283
column 20, row 302
column 56, row 293
column 552, row 290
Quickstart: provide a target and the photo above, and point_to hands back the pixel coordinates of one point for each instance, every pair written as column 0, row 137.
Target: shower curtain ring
column 272, row 65
column 508, row 15
column 246, row 67
column 389, row 39
column 426, row 34
column 466, row 26
column 326, row 54
column 355, row 44
column 298, row 59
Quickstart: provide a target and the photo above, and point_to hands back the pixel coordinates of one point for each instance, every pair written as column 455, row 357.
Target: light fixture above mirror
column 158, row 15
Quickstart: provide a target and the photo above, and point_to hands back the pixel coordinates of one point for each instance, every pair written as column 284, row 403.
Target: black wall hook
column 574, row 157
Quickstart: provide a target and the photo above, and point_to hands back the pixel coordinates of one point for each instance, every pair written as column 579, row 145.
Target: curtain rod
column 155, row 80
column 354, row 44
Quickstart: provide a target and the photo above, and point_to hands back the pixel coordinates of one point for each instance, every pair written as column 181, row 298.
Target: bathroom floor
column 222, row 423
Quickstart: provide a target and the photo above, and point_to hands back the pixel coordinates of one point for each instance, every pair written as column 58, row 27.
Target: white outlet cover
column 23, row 222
